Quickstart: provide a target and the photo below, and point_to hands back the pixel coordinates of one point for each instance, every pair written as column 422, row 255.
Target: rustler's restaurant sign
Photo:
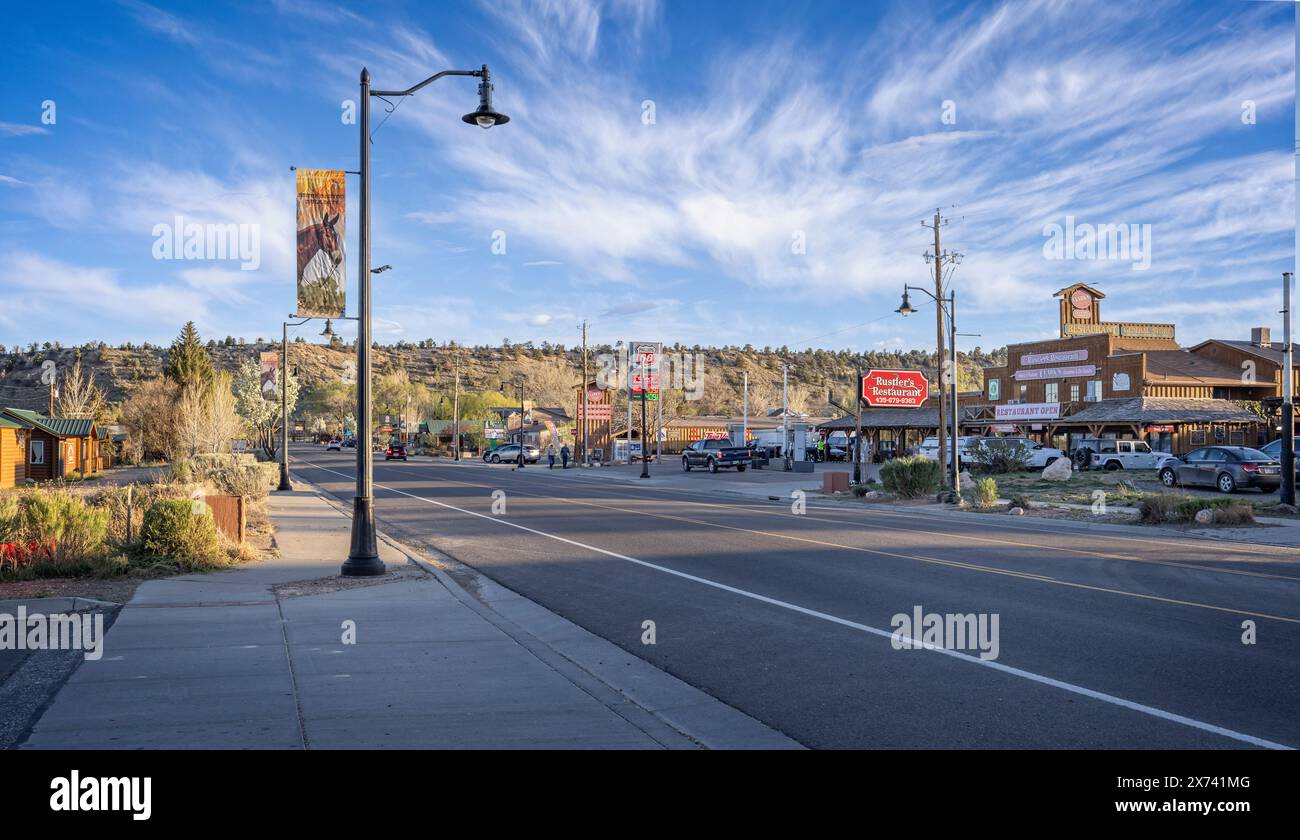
column 895, row 388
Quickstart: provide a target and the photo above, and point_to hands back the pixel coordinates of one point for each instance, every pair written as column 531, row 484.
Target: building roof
column 57, row 426
column 1162, row 410
column 1274, row 354
column 1182, row 366
column 6, row 423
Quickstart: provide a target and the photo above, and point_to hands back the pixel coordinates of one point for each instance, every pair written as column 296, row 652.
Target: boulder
column 966, row 480
column 1015, row 511
column 1204, row 516
column 1058, row 470
column 1285, row 508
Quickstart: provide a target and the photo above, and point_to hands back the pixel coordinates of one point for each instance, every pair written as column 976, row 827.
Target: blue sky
column 773, row 122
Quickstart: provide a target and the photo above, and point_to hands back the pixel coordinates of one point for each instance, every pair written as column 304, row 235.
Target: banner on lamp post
column 321, row 275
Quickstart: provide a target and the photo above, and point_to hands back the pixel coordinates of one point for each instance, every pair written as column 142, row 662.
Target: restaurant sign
column 1054, row 358
column 895, row 388
column 1027, row 411
column 1055, row 372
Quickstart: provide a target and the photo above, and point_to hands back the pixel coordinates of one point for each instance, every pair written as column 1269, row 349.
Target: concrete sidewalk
column 255, row 658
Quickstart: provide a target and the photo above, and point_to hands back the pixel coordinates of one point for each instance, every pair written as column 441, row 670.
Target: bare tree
column 79, row 396
column 223, row 421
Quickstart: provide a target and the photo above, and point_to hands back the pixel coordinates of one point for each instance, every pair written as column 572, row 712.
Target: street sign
column 895, row 388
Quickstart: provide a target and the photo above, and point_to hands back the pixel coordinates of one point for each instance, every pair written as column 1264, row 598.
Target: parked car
column 395, row 452
column 510, row 454
column 1225, row 467
column 715, row 453
column 1274, row 451
column 350, row 443
column 335, row 445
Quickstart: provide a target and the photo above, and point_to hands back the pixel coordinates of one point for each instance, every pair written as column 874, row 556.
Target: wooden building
column 13, row 449
column 57, row 447
column 1118, row 379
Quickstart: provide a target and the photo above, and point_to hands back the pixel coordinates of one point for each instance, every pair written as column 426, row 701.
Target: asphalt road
column 1107, row 639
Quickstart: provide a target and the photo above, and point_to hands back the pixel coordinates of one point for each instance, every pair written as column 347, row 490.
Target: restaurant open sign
column 895, row 388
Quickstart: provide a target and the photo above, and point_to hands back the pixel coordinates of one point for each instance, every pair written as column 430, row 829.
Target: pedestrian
column 564, row 456
column 550, row 457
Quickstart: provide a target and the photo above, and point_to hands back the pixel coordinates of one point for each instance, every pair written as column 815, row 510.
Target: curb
column 55, row 605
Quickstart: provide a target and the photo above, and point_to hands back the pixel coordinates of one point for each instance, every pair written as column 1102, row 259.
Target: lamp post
column 948, row 306
column 363, row 558
column 285, row 484
column 1288, row 397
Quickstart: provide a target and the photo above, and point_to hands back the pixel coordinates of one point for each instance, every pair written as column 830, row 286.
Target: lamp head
column 906, row 308
column 485, row 116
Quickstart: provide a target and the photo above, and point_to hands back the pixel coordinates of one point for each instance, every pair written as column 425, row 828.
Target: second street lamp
column 948, row 306
column 363, row 557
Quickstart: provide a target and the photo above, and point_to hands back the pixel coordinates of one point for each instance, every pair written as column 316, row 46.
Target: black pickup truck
column 715, row 454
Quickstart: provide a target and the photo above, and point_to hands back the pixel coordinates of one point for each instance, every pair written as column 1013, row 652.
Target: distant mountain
column 551, row 370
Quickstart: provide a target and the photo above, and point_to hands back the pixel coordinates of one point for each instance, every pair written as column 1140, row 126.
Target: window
column 995, row 387
column 1094, row 390
column 1024, row 392
column 1049, row 392
column 1198, row 437
column 1074, row 393
column 38, row 452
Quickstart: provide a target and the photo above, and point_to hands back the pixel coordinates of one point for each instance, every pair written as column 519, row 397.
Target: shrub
column 1021, row 501
column 994, row 455
column 50, row 533
column 1158, row 509
column 986, row 492
column 911, row 477
column 1237, row 513
column 173, row 534
column 859, row 490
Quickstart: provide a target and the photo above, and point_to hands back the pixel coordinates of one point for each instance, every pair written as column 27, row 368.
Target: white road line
column 844, row 622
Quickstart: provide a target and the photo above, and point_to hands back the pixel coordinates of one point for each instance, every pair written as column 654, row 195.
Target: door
column 1189, row 470
column 1208, row 470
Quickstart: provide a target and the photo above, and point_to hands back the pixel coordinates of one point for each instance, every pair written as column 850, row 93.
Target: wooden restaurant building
column 1112, row 379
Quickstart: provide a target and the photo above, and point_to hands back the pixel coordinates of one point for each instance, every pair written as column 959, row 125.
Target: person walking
column 550, row 457
column 564, row 456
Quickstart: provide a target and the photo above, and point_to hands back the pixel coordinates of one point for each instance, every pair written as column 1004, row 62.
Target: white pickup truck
column 1109, row 454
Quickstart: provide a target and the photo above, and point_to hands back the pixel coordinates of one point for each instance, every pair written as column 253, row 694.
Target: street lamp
column 285, row 484
column 505, row 386
column 948, row 305
column 363, row 558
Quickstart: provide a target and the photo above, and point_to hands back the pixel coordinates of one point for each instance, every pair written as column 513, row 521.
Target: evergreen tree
column 187, row 362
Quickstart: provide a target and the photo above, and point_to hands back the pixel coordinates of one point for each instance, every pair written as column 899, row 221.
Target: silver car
column 510, row 454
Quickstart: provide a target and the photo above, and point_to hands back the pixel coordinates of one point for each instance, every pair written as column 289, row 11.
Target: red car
column 396, row 452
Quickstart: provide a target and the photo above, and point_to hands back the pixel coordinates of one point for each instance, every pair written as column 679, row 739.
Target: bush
column 173, row 534
column 911, row 477
column 234, row 478
column 986, row 492
column 1022, row 501
column 1166, row 507
column 994, row 455
column 859, row 490
column 50, row 533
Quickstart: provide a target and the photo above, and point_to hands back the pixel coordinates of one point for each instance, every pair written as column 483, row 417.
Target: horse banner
column 321, row 280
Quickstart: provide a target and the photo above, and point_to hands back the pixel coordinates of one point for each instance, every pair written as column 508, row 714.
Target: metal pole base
column 364, row 560
column 285, row 485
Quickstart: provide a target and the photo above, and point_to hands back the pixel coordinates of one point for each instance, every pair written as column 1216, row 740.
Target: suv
column 1112, row 454
column 395, row 452
column 1037, row 455
column 1274, row 451
column 1225, row 467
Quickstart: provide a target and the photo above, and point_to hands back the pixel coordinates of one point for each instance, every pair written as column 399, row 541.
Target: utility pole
column 1288, row 396
column 744, row 413
column 584, row 404
column 455, row 411
column 785, row 416
column 939, row 222
column 855, row 451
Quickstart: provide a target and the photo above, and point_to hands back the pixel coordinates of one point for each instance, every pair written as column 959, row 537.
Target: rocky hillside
column 550, row 369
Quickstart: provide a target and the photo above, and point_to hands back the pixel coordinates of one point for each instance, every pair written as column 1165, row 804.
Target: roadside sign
column 895, row 388
column 643, row 370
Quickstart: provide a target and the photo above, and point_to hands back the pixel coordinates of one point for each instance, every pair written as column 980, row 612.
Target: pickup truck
column 715, row 454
